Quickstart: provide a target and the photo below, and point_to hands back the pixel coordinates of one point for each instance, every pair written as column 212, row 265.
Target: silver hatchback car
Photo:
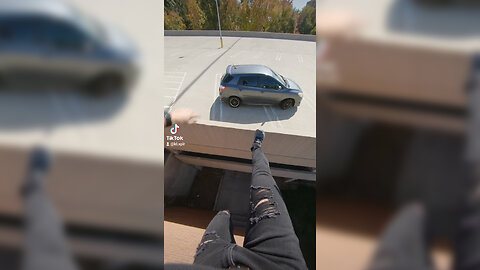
column 258, row 84
column 50, row 40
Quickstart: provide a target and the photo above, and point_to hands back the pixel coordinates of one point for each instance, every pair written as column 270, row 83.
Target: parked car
column 258, row 84
column 51, row 40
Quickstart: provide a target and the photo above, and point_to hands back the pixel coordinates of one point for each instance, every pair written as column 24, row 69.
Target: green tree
column 230, row 14
column 195, row 17
column 210, row 10
column 282, row 17
column 307, row 20
column 173, row 21
column 178, row 6
column 259, row 15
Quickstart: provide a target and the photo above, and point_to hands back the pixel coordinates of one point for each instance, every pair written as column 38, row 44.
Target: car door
column 249, row 89
column 272, row 90
column 68, row 51
column 20, row 57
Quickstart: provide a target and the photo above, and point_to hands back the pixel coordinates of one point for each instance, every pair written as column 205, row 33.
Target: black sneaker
column 38, row 167
column 259, row 136
column 39, row 159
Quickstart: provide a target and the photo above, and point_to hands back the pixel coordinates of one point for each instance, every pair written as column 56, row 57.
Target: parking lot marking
column 266, row 113
column 216, row 94
column 270, row 117
column 278, row 57
column 276, row 117
column 310, row 103
column 300, row 58
column 173, row 84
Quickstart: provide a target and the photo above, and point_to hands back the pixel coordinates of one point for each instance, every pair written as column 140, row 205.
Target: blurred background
column 392, row 122
column 82, row 78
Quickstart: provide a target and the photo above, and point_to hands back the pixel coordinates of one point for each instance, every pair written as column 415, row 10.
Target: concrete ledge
column 91, row 191
column 241, row 34
column 226, row 139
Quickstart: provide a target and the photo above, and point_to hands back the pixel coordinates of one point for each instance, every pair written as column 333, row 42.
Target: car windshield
column 279, row 77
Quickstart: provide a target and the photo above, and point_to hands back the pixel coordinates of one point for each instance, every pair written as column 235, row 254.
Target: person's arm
column 180, row 116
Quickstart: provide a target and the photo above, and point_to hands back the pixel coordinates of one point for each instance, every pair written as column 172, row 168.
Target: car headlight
column 300, row 94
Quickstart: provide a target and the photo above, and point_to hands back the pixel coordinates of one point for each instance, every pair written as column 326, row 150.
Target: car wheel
column 287, row 103
column 234, row 102
column 105, row 84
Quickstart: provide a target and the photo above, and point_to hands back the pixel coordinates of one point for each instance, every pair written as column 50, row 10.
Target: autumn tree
column 244, row 15
column 230, row 14
column 307, row 20
column 210, row 10
column 195, row 17
column 173, row 21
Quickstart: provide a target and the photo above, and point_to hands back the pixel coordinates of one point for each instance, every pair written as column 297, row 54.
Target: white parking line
column 310, row 103
column 270, row 117
column 173, row 84
column 300, row 58
column 278, row 57
column 267, row 114
column 276, row 117
column 216, row 94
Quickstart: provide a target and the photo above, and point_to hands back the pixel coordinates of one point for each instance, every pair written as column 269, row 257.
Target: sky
column 299, row 4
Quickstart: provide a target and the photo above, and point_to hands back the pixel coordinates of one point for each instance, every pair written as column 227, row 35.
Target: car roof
column 249, row 69
column 51, row 8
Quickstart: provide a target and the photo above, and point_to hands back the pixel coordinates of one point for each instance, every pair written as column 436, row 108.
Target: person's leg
column 217, row 241
column 45, row 243
column 270, row 232
column 404, row 244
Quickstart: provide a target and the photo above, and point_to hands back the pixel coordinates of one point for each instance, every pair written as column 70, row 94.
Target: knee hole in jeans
column 262, row 204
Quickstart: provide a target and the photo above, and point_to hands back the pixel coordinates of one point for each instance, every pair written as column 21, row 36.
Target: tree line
column 243, row 15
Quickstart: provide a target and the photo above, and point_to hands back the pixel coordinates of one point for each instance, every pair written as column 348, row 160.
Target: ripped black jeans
column 270, row 241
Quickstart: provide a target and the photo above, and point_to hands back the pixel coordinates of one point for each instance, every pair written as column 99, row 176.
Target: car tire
column 105, row 84
column 234, row 102
column 287, row 103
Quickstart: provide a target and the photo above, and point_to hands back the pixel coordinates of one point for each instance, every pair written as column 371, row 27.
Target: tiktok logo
column 174, row 129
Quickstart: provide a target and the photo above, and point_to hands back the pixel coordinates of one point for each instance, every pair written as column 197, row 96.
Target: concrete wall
column 240, row 34
column 98, row 192
column 218, row 138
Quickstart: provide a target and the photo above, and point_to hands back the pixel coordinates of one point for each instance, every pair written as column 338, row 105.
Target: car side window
column 63, row 37
column 270, row 83
column 251, row 81
column 18, row 30
column 227, row 78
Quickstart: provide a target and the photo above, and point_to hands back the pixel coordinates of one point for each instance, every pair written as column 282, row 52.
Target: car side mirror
column 279, row 87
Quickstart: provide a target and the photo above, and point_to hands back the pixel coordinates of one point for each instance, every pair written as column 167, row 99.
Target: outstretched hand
column 184, row 116
column 333, row 24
